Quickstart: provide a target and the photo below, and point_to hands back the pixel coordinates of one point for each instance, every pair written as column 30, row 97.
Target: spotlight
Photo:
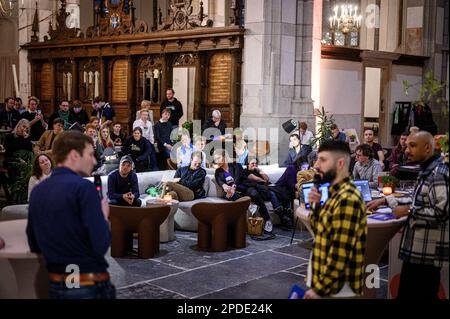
column 290, row 126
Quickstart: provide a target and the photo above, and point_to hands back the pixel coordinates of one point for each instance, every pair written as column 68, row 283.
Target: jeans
column 101, row 290
column 274, row 200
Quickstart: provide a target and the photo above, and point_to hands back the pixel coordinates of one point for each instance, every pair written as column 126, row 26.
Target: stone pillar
column 277, row 68
column 26, row 16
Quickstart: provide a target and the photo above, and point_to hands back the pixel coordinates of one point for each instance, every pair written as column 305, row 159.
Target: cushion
column 13, row 212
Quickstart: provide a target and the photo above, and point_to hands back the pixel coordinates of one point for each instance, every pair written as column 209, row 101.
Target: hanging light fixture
column 8, row 7
column 345, row 18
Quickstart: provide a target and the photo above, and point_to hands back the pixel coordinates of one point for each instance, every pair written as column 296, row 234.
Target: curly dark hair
column 36, row 170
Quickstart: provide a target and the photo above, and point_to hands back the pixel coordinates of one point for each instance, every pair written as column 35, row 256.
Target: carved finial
column 35, row 25
column 201, row 13
column 159, row 16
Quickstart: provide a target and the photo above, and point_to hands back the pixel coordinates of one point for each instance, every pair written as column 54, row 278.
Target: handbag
column 255, row 226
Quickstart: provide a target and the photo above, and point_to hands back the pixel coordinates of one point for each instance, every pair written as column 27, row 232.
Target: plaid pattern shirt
column 340, row 230
column 425, row 238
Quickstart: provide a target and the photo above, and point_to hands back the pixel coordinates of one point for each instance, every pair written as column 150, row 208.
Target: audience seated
column 294, row 151
column 215, row 122
column 9, row 117
column 116, row 135
column 63, row 113
column 45, row 143
column 163, row 129
column 146, row 125
column 42, row 168
column 140, row 150
column 398, row 156
column 189, row 180
column 18, row 140
column 199, row 146
column 336, row 134
column 366, row 167
column 377, row 150
column 104, row 145
column 78, row 114
column 241, row 150
column 123, row 187
column 306, row 138
column 258, row 180
column 36, row 119
column 231, row 178
column 185, row 151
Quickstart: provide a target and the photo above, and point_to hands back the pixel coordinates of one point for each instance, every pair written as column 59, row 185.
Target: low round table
column 167, row 228
column 379, row 233
column 22, row 273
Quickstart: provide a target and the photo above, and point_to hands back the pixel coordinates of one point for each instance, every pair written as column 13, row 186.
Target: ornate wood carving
column 114, row 18
column 61, row 31
column 185, row 60
column 181, row 18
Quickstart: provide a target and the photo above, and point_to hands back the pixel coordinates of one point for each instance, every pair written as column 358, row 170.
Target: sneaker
column 268, row 227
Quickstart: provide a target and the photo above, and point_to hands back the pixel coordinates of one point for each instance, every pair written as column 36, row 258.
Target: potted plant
column 389, row 182
column 323, row 130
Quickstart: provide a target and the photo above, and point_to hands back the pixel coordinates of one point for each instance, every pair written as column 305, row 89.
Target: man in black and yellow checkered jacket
column 339, row 226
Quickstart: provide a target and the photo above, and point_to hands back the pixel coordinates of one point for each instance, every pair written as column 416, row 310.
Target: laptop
column 306, row 188
column 364, row 188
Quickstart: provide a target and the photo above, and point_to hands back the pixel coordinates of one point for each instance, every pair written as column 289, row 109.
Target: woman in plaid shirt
column 339, row 226
column 425, row 242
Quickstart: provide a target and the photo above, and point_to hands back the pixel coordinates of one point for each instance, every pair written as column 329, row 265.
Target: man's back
column 66, row 223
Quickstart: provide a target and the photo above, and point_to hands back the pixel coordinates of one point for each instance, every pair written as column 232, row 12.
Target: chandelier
column 7, row 7
column 345, row 19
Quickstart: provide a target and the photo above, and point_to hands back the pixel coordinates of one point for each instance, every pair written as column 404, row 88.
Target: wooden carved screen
column 120, row 81
column 219, row 88
column 46, row 93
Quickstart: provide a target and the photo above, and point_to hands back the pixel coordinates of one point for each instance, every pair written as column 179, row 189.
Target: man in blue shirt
column 68, row 224
column 336, row 134
column 123, row 187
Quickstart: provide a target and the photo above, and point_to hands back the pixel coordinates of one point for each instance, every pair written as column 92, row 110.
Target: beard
column 328, row 177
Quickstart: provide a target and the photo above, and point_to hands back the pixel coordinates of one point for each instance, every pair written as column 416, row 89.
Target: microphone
column 98, row 185
column 316, row 181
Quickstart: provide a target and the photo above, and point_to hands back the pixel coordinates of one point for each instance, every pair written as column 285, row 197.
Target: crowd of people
column 80, row 145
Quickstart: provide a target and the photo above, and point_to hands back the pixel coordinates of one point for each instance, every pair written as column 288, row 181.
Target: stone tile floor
column 262, row 270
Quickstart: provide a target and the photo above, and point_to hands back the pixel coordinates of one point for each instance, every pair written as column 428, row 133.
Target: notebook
column 306, row 188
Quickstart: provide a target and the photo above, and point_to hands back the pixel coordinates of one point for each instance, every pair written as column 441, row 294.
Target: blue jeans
column 101, row 290
column 274, row 200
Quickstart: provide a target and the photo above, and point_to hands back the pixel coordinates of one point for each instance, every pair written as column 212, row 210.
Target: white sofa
column 184, row 220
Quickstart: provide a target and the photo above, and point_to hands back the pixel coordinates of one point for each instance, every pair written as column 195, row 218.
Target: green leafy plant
column 389, row 180
column 23, row 166
column 324, row 129
column 430, row 91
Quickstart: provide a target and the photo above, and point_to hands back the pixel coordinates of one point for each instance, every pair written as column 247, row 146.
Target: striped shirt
column 340, row 239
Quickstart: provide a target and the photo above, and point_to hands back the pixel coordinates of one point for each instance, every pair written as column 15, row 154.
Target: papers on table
column 384, row 210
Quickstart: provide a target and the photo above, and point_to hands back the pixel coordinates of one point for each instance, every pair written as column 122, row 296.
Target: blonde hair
column 108, row 140
column 146, row 104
